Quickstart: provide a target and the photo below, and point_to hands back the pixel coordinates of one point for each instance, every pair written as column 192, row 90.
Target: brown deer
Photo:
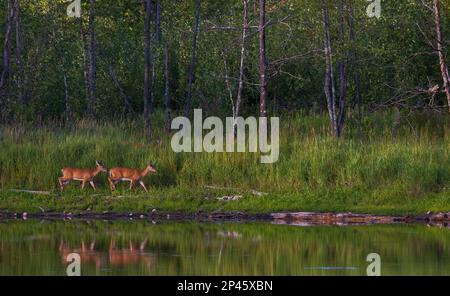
column 113, row 257
column 83, row 175
column 130, row 175
column 87, row 255
column 129, row 256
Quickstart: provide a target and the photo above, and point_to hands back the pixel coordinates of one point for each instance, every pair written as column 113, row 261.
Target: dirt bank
column 294, row 218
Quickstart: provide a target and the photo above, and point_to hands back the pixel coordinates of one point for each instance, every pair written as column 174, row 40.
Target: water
column 192, row 248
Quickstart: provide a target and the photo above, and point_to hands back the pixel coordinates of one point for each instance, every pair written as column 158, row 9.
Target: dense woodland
column 152, row 60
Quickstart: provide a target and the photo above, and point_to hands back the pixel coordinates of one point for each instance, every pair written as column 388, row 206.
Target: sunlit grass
column 401, row 167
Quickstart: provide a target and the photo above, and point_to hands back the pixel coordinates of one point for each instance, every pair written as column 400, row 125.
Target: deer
column 83, row 175
column 114, row 257
column 130, row 175
column 87, row 255
column 119, row 257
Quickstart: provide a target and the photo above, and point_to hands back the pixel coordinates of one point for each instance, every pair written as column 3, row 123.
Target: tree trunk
column 66, row 97
column 241, row 64
column 356, row 77
column 166, row 87
column 147, row 67
column 120, row 88
column 84, row 60
column 7, row 49
column 262, row 60
column 191, row 73
column 342, row 72
column 92, row 82
column 62, row 64
column 154, row 59
column 329, row 85
column 20, row 74
column 227, row 83
column 440, row 49
column 35, row 53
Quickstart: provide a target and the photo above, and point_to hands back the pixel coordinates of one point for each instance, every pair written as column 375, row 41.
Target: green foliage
column 392, row 54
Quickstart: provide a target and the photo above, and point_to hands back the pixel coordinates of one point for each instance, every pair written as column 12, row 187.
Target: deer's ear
column 97, row 162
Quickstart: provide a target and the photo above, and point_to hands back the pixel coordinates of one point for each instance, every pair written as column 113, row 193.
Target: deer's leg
column 83, row 184
column 143, row 243
column 92, row 246
column 131, row 246
column 112, row 244
column 92, row 184
column 62, row 182
column 111, row 184
column 143, row 185
column 131, row 184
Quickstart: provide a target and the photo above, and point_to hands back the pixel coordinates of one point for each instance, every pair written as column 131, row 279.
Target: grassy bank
column 396, row 166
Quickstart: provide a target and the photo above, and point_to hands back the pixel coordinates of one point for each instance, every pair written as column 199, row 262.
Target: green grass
column 394, row 167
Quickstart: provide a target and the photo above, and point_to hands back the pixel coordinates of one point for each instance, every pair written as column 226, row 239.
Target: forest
column 362, row 90
column 133, row 59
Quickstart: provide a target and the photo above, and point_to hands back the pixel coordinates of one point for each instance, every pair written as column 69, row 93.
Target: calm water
column 145, row 248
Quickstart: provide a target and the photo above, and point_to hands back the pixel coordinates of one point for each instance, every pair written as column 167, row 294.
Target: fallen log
column 31, row 191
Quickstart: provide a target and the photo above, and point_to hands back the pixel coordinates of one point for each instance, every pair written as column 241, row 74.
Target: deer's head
column 100, row 166
column 151, row 168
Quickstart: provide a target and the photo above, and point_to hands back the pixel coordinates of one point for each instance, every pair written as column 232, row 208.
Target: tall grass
column 407, row 158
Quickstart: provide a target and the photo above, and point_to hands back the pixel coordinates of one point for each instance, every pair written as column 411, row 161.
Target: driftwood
column 31, row 191
column 252, row 191
column 229, row 197
column 311, row 218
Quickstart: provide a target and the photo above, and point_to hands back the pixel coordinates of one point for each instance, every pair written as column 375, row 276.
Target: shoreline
column 289, row 218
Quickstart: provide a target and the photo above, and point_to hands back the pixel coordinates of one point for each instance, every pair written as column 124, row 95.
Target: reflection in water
column 115, row 257
column 130, row 255
column 87, row 255
column 254, row 248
